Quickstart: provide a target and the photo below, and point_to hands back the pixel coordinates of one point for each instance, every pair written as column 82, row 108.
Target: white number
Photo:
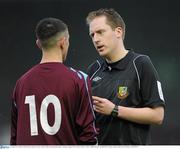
column 51, row 130
column 33, row 116
column 43, row 114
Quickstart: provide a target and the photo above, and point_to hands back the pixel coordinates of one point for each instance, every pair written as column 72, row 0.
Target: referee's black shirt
column 131, row 82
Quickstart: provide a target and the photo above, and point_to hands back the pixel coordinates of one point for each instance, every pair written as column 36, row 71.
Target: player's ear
column 38, row 44
column 61, row 42
column 118, row 32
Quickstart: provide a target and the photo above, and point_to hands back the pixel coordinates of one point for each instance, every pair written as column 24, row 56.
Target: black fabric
column 136, row 75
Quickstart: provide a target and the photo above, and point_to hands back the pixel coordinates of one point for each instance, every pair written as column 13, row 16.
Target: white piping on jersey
column 72, row 69
column 76, row 72
column 96, row 70
column 85, row 79
column 134, row 67
column 15, row 104
column 85, row 76
column 139, row 83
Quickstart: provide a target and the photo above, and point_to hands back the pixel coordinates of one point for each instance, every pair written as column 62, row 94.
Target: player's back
column 49, row 100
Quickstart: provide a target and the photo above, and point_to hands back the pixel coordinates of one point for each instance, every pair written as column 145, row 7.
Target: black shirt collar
column 120, row 65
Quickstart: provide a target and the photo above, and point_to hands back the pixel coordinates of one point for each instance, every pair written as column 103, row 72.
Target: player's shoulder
column 142, row 62
column 78, row 74
column 95, row 66
column 140, row 59
column 27, row 74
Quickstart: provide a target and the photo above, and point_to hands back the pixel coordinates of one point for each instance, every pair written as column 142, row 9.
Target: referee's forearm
column 142, row 115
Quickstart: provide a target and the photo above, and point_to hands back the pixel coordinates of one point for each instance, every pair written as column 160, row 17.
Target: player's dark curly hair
column 48, row 29
column 113, row 18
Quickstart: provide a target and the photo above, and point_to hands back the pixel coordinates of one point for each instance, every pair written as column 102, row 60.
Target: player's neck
column 51, row 56
column 117, row 55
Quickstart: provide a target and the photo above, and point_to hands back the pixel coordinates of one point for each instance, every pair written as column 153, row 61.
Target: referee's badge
column 122, row 92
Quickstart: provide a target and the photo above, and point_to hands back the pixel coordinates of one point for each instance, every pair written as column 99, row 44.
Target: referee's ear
column 38, row 43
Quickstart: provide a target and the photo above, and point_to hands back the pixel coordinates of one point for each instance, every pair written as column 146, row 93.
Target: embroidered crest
column 122, row 92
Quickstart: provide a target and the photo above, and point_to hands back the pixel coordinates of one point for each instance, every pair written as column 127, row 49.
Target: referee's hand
column 102, row 105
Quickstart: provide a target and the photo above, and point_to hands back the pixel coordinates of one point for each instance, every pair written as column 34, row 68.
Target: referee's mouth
column 100, row 48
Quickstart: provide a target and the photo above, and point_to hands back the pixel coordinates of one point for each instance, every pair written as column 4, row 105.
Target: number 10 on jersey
column 50, row 99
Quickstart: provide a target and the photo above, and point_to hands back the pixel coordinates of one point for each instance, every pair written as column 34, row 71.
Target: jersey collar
column 120, row 65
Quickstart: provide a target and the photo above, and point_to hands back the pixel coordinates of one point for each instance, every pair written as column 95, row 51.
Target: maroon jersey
column 52, row 105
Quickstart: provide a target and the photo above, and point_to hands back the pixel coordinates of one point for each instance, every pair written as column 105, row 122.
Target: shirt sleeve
column 150, row 85
column 85, row 117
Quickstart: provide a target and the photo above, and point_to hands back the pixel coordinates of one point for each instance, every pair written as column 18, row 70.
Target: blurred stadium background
column 152, row 29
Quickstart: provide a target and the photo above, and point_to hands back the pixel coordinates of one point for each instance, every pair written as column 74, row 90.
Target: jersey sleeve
column 150, row 85
column 85, row 117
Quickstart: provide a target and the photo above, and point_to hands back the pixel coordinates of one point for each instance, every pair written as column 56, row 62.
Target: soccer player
column 127, row 91
column 52, row 103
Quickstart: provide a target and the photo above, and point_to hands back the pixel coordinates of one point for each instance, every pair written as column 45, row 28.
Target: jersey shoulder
column 78, row 74
column 141, row 60
column 95, row 67
column 26, row 75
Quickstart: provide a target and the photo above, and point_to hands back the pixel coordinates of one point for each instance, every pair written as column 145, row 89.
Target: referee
column 127, row 91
